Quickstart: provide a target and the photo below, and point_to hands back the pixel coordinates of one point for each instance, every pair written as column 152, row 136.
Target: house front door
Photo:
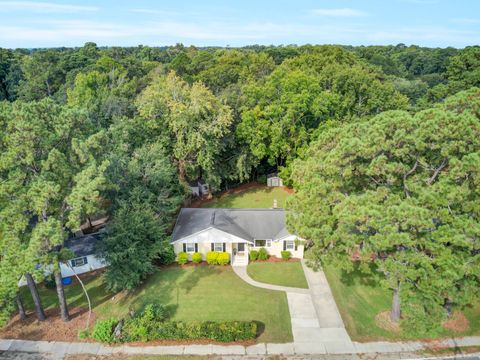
column 241, row 249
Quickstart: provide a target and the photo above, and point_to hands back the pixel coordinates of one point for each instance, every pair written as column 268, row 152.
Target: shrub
column 139, row 327
column 212, row 257
column 103, row 330
column 182, row 258
column 49, row 282
column 286, row 255
column 166, row 255
column 197, row 257
column 223, row 258
column 253, row 255
column 262, row 179
column 262, row 254
column 83, row 334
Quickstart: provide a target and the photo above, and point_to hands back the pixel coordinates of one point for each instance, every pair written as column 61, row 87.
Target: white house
column 85, row 260
column 274, row 180
column 236, row 231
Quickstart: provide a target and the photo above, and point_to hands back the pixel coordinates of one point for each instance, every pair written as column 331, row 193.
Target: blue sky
column 237, row 23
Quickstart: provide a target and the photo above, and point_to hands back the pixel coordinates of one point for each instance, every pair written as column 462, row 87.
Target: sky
column 434, row 23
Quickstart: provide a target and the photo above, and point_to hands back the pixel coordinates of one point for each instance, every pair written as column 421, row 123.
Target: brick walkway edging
column 60, row 349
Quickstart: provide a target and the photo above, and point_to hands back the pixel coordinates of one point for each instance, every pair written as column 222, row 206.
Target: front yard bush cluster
column 286, row 255
column 218, row 258
column 152, row 324
column 261, row 254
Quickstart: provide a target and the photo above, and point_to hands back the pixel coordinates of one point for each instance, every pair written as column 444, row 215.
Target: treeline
column 121, row 131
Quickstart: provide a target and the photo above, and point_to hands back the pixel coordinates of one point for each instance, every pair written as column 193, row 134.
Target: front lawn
column 192, row 293
column 278, row 273
column 258, row 197
column 360, row 300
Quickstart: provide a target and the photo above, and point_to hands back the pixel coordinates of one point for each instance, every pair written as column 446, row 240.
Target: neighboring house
column 199, row 187
column 236, row 231
column 85, row 260
column 274, row 180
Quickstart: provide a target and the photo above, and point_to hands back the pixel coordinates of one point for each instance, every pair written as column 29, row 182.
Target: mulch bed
column 274, row 259
column 457, row 323
column 52, row 329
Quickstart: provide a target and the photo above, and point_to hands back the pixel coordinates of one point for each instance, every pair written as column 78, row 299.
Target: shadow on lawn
column 359, row 277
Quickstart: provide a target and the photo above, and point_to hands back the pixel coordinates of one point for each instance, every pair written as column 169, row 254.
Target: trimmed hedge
column 182, row 258
column 253, row 255
column 286, row 255
column 218, row 258
column 178, row 330
column 197, row 257
column 151, row 324
column 262, row 254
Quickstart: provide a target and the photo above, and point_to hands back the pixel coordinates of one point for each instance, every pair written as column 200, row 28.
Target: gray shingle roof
column 248, row 224
column 83, row 245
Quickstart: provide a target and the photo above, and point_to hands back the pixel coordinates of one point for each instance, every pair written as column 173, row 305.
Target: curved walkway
column 241, row 271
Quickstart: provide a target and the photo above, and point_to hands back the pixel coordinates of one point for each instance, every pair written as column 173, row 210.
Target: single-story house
column 84, row 250
column 274, row 180
column 236, row 231
column 199, row 187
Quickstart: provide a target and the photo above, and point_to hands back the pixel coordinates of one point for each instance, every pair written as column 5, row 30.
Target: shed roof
column 248, row 224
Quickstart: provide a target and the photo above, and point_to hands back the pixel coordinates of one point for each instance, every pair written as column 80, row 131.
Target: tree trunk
column 395, row 313
column 21, row 309
column 36, row 298
column 182, row 170
column 61, row 296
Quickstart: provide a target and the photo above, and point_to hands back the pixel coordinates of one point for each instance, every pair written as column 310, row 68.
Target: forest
column 381, row 145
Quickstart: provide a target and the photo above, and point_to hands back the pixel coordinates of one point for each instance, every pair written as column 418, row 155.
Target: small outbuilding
column 199, row 187
column 274, row 180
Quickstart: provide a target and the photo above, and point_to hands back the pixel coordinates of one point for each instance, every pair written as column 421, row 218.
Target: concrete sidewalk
column 58, row 350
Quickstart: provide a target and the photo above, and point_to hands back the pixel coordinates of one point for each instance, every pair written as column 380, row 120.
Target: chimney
column 274, row 203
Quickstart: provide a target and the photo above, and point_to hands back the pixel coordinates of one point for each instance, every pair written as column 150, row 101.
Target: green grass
column 196, row 293
column 252, row 198
column 360, row 299
column 279, row 273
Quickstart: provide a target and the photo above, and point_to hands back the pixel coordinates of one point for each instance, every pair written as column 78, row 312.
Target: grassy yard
column 360, row 300
column 261, row 197
column 195, row 293
column 278, row 273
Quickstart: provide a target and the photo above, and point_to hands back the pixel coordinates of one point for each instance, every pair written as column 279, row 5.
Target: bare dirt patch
column 457, row 323
column 382, row 320
column 52, row 329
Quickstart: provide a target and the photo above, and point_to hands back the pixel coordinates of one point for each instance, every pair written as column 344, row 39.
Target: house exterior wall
column 277, row 248
column 204, row 240
column 93, row 263
column 206, row 237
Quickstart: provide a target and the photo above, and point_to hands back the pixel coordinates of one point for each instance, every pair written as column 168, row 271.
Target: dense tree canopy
column 120, row 130
column 399, row 194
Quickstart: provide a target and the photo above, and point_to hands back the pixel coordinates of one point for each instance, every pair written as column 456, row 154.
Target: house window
column 190, row 247
column 290, row 245
column 79, row 261
column 217, row 246
column 263, row 243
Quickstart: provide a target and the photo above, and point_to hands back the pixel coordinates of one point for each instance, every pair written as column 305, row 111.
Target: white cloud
column 465, row 20
column 43, row 7
column 341, row 12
